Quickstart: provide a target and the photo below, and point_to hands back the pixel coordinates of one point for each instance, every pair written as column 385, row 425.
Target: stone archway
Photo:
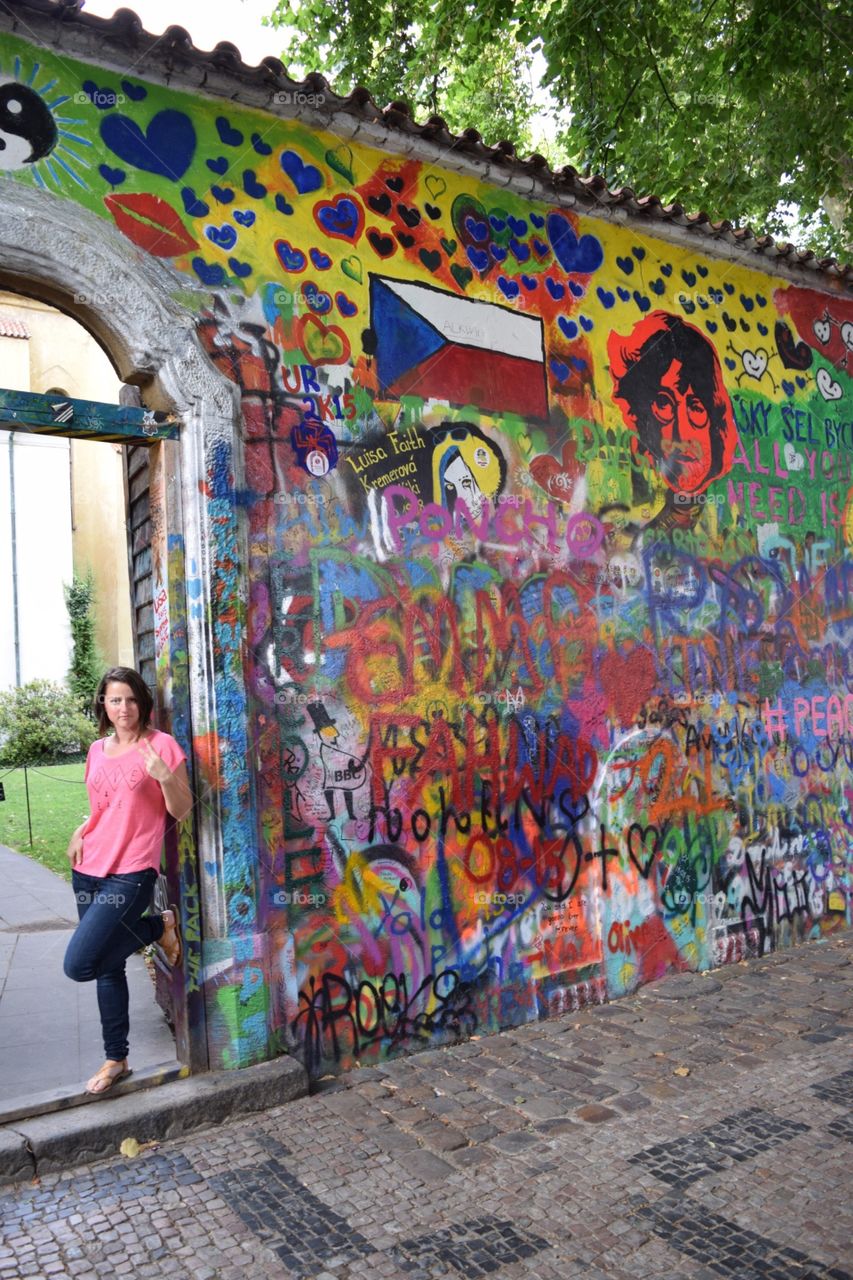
column 68, row 257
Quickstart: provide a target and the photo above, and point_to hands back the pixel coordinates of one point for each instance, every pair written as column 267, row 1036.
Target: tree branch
column 656, row 71
column 631, row 93
column 619, row 114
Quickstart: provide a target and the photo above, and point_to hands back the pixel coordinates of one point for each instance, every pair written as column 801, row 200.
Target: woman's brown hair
column 144, row 700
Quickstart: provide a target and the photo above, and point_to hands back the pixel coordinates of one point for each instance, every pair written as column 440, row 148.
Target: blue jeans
column 112, row 926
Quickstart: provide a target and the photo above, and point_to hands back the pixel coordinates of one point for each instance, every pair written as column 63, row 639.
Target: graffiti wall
column 547, row 663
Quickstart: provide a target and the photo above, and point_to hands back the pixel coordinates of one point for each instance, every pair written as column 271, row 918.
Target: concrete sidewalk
column 50, row 1032
column 699, row 1129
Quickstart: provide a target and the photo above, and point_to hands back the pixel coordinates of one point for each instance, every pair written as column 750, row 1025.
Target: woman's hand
column 75, row 845
column 155, row 765
column 176, row 786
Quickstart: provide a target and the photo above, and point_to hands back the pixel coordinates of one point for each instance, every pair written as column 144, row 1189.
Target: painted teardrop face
column 27, row 128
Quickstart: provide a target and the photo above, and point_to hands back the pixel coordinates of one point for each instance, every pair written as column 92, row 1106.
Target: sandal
column 174, row 953
column 110, row 1074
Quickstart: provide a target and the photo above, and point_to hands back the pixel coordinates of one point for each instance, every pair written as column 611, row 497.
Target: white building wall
column 7, row 624
column 60, row 523
column 42, row 523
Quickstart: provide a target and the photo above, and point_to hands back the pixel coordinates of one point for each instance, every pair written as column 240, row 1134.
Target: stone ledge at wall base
column 255, row 1036
column 64, row 1139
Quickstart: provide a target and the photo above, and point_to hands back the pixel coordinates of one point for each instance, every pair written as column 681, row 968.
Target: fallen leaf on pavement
column 681, row 1071
column 131, row 1148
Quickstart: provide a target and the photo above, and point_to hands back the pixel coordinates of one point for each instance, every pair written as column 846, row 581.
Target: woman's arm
column 75, row 845
column 177, row 794
column 174, row 785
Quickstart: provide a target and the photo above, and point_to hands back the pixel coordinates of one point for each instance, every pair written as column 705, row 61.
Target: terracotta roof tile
column 125, row 29
column 12, row 328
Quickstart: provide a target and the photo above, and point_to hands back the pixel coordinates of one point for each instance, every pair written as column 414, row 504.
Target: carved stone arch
column 68, row 257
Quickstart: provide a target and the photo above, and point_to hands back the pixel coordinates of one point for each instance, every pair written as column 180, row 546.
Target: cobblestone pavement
column 698, row 1129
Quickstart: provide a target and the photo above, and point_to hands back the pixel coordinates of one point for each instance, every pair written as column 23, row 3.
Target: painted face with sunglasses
column 466, row 465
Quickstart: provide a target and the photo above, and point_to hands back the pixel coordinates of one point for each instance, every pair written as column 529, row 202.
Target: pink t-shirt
column 128, row 813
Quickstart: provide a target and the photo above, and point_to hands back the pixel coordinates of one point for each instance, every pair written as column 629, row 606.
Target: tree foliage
column 86, row 666
column 740, row 107
column 40, row 723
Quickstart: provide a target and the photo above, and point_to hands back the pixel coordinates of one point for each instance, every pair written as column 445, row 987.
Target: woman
column 134, row 777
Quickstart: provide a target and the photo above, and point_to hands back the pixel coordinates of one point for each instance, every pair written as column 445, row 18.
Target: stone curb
column 28, row 1106
column 16, row 1162
column 63, row 1139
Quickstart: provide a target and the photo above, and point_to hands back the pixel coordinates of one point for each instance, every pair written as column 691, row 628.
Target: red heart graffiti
column 627, row 678
column 557, row 478
column 322, row 344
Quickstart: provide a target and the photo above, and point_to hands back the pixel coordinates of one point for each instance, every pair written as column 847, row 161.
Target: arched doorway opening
column 72, row 261
column 74, row 538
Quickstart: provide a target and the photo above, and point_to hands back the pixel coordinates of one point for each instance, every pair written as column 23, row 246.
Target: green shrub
column 86, row 665
column 41, row 722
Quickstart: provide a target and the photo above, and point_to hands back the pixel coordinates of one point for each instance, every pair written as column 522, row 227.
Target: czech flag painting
column 433, row 344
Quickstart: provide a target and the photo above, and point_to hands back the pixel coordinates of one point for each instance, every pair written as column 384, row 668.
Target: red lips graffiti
column 150, row 223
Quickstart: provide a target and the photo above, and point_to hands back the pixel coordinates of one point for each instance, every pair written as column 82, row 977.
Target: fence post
column 29, row 817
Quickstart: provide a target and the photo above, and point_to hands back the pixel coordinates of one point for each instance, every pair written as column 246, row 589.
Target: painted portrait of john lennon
column 669, row 387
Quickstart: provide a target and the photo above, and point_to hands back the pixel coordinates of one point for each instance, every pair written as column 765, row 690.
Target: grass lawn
column 58, row 804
